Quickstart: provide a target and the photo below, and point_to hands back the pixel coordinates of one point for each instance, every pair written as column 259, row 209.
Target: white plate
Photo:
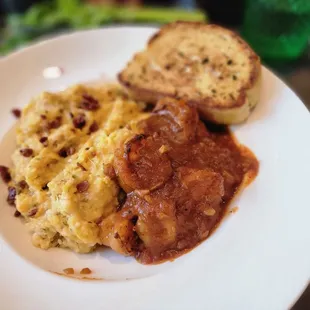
column 259, row 258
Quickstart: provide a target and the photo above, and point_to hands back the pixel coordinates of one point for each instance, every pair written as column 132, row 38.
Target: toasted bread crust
column 232, row 111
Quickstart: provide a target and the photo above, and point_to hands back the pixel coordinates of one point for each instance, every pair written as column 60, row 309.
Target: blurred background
column 278, row 30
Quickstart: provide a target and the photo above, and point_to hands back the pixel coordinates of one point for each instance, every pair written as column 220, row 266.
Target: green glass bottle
column 277, row 29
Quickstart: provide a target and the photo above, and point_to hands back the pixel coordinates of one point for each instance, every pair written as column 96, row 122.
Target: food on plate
column 179, row 176
column 65, row 141
column 205, row 64
column 85, row 271
column 93, row 167
column 16, row 113
column 68, row 271
column 152, row 185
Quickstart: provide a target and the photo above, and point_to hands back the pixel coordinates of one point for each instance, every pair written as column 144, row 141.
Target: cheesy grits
column 65, row 143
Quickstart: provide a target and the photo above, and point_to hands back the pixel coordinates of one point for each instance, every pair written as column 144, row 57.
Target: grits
column 72, row 136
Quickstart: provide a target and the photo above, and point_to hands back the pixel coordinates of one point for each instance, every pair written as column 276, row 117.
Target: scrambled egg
column 64, row 143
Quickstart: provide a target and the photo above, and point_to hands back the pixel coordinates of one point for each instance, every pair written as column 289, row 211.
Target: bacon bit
column 81, row 166
column 11, row 195
column 121, row 198
column 56, row 123
column 82, row 187
column 89, row 103
column 33, row 212
column 68, row 271
column 5, row 174
column 44, row 141
column 64, row 152
column 85, row 271
column 17, row 214
column 116, row 235
column 89, row 98
column 27, row 152
column 79, row 121
column 22, row 184
column 93, row 127
column 109, row 171
column 43, row 116
column 17, row 113
column 99, row 220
